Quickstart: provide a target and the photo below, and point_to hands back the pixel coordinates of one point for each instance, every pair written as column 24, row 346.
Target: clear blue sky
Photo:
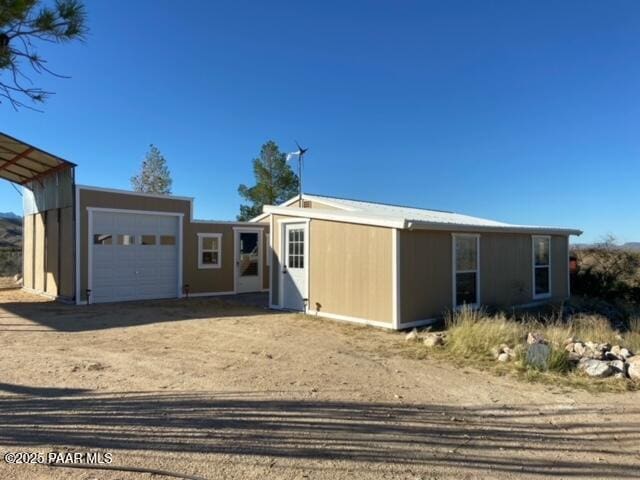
column 525, row 112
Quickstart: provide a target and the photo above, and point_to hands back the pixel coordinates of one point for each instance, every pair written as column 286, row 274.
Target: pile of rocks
column 603, row 360
column 430, row 339
column 504, row 353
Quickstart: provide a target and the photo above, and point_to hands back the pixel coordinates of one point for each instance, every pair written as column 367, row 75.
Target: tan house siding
column 39, row 253
column 506, row 272
column 425, row 274
column 67, row 260
column 27, row 251
column 351, row 270
column 52, row 282
column 209, row 279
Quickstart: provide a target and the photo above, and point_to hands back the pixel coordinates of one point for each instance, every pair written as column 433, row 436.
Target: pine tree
column 275, row 182
column 23, row 24
column 154, row 176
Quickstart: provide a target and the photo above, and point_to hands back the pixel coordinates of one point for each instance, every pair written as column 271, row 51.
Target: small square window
column 126, row 240
column 147, row 239
column 167, row 240
column 102, row 239
column 209, row 251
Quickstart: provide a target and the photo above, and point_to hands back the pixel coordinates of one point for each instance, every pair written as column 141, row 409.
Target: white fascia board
column 332, row 215
column 417, row 225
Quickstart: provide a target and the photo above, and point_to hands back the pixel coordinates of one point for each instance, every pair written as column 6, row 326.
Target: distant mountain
column 630, row 246
column 10, row 215
column 10, row 233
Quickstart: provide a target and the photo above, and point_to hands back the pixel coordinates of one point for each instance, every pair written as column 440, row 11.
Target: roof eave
column 417, row 225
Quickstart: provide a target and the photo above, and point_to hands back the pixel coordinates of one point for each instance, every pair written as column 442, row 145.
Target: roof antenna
column 300, row 154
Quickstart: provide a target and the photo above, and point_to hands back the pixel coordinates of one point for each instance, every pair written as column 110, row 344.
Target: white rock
column 432, row 340
column 595, row 368
column 618, row 366
column 579, row 348
column 625, row 353
column 412, row 336
column 504, row 357
column 634, row 367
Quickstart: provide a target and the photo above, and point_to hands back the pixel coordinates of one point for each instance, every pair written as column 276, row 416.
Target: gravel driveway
column 222, row 390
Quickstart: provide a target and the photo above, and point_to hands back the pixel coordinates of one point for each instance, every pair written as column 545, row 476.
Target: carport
column 48, row 203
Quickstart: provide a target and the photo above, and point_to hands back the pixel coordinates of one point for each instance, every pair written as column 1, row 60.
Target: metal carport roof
column 22, row 163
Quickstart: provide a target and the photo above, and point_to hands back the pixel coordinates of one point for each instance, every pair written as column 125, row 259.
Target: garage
column 134, row 255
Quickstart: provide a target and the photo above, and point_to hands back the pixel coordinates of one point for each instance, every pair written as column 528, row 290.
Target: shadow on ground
column 487, row 438
column 55, row 316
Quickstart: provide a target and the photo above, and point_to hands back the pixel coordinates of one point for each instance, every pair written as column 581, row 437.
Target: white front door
column 248, row 260
column 294, row 269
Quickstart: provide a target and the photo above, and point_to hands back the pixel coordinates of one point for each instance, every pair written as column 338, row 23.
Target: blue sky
column 525, row 112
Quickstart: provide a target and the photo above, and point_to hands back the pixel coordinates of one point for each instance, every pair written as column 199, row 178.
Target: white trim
column 208, row 266
column 90, row 254
column 549, row 294
column 180, row 255
column 210, row 294
column 281, row 225
column 395, row 277
column 224, row 222
column 78, row 244
column 129, row 192
column 271, row 254
column 455, row 271
column 345, row 318
column 236, row 252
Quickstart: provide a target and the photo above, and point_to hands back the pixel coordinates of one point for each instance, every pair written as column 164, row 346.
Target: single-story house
column 383, row 265
column 398, row 267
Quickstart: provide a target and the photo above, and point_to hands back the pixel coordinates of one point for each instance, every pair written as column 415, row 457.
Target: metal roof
column 397, row 216
column 22, row 163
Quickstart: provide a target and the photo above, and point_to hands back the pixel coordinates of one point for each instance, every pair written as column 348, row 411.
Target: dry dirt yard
column 219, row 390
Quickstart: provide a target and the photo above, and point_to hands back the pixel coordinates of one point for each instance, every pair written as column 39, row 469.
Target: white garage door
column 133, row 256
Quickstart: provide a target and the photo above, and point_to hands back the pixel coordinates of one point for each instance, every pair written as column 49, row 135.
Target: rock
column 495, row 351
column 619, row 375
column 625, row 353
column 574, row 357
column 615, row 350
column 579, row 348
column 535, row 337
column 633, row 367
column 504, row 357
column 618, row 366
column 595, row 368
column 432, row 340
column 538, row 355
column 412, row 336
column 17, row 278
column 570, row 340
column 569, row 347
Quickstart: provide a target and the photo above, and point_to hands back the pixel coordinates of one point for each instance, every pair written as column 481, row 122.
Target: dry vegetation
column 473, row 336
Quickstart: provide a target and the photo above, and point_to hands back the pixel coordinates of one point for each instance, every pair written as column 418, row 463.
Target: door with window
column 295, row 264
column 466, row 271
column 248, row 260
column 541, row 267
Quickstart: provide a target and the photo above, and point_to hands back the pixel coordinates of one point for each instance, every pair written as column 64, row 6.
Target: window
column 465, row 269
column 167, row 240
column 209, row 250
column 295, row 258
column 541, row 267
column 147, row 239
column 102, row 239
column 126, row 240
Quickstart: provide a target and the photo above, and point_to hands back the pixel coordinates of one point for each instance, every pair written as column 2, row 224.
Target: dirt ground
column 219, row 390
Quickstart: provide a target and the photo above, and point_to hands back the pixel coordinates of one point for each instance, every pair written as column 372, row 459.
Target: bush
column 10, row 262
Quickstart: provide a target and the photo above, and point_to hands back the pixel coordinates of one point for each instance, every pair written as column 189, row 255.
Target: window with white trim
column 209, row 250
column 541, row 266
column 465, row 270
